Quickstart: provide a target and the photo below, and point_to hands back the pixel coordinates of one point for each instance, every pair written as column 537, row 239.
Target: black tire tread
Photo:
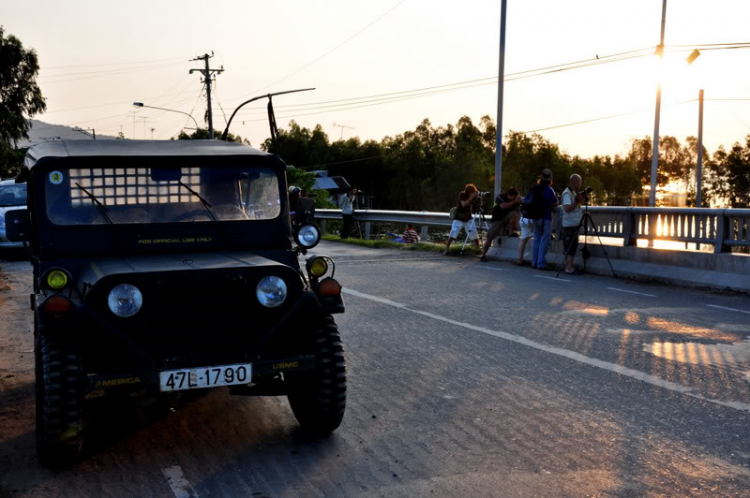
column 319, row 401
column 60, row 399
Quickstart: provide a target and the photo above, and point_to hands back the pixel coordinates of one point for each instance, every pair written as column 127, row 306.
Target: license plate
column 198, row 378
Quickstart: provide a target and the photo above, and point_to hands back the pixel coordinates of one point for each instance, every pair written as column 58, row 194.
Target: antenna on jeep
column 271, row 114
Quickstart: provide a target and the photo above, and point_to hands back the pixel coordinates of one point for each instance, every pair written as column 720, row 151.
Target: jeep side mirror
column 308, row 236
column 17, row 224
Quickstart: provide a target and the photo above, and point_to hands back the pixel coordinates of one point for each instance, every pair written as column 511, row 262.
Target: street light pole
column 141, row 104
column 655, row 156
column 500, row 84
column 699, row 169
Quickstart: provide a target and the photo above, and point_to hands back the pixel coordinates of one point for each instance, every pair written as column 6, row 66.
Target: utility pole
column 207, row 72
column 657, row 117
column 500, row 84
column 699, row 169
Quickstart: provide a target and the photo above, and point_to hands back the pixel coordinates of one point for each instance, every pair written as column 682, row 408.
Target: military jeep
column 169, row 266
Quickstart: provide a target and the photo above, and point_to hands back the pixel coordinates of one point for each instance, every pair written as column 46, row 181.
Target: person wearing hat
column 467, row 199
column 542, row 201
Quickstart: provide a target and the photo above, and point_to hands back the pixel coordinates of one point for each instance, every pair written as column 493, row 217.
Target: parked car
column 167, row 266
column 12, row 196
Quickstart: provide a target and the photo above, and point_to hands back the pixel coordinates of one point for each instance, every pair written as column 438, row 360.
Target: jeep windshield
column 13, row 195
column 86, row 196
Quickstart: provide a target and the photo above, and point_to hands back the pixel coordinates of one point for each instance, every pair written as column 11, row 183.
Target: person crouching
column 505, row 216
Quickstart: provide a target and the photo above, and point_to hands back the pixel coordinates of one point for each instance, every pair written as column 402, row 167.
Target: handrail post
column 368, row 229
column 722, row 232
column 323, row 226
column 424, row 233
column 627, row 227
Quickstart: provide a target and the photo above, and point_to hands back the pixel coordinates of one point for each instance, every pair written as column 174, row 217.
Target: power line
column 112, row 63
column 104, row 75
column 576, row 123
column 386, row 98
column 328, row 52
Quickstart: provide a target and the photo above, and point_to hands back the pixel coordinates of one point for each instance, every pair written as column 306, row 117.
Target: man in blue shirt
column 542, row 202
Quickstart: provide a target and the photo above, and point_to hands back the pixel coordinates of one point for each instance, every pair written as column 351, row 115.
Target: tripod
column 482, row 222
column 587, row 220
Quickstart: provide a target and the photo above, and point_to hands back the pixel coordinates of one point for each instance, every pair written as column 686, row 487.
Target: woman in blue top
column 543, row 224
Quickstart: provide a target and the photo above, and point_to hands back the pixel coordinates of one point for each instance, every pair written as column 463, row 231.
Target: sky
column 98, row 57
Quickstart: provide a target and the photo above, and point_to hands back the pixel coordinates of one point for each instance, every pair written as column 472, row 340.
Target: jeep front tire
column 318, row 399
column 59, row 401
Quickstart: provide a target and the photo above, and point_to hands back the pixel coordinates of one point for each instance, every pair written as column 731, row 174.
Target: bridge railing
column 722, row 228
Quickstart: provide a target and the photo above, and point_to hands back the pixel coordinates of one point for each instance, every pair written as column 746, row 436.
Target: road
column 465, row 379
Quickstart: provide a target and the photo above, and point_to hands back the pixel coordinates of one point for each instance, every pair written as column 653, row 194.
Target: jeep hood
column 100, row 268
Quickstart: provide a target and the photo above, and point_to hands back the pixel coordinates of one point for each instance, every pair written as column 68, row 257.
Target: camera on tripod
column 587, row 193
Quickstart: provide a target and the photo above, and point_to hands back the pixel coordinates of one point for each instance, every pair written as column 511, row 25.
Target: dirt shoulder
column 16, row 376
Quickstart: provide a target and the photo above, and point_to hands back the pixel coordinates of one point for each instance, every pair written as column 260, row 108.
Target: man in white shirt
column 346, row 203
column 571, row 219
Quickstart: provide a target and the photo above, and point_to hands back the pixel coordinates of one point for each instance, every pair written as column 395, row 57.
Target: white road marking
column 556, row 279
column 631, row 292
column 728, row 309
column 493, row 269
column 181, row 487
column 566, row 353
column 388, row 260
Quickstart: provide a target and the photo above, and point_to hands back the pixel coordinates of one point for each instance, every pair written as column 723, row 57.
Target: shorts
column 570, row 240
column 527, row 228
column 469, row 226
column 497, row 227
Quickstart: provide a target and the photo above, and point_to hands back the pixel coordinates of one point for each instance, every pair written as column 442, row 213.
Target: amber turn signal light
column 329, row 287
column 57, row 304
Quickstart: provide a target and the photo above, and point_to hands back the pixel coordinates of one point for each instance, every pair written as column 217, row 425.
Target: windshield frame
column 120, row 193
column 49, row 240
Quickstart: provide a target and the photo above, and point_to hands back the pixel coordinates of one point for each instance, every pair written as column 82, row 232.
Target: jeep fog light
column 57, row 279
column 271, row 291
column 125, row 300
column 317, row 267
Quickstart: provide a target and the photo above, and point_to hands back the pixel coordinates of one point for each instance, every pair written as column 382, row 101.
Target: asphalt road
column 465, row 379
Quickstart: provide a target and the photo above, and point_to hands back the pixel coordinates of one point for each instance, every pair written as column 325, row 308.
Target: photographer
column 505, row 215
column 571, row 221
column 346, row 204
column 468, row 200
column 539, row 203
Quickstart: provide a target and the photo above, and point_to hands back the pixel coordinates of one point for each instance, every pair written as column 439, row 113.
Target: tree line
column 424, row 169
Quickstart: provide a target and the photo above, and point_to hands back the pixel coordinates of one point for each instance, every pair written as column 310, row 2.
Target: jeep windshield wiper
column 99, row 206
column 206, row 205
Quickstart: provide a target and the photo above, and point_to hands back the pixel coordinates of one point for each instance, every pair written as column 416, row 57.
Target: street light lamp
column 141, row 104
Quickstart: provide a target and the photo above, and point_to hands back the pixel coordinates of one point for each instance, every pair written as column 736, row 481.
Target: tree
column 202, row 134
column 729, row 175
column 20, row 98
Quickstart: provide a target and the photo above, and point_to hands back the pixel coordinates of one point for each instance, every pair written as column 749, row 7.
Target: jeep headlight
column 271, row 291
column 125, row 300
